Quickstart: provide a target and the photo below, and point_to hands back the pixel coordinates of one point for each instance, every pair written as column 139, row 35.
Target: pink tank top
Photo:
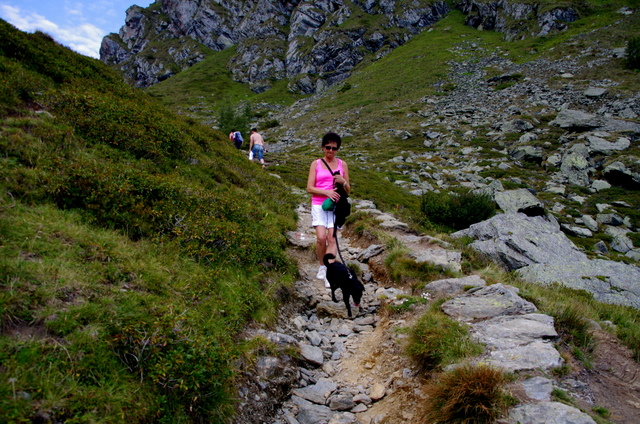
column 324, row 180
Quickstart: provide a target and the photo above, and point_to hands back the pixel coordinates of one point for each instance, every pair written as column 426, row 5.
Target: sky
column 77, row 24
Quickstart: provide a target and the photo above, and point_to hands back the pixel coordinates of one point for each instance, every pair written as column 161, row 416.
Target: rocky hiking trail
column 355, row 370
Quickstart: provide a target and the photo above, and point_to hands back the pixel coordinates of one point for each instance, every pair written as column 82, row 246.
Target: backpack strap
column 329, row 168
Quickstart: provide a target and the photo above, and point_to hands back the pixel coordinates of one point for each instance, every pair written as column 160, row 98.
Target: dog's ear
column 327, row 258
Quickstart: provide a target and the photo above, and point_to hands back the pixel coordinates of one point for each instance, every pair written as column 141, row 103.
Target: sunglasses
column 331, row 148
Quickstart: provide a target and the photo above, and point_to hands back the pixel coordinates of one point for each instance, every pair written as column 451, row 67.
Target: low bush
column 633, row 53
column 468, row 394
column 457, row 211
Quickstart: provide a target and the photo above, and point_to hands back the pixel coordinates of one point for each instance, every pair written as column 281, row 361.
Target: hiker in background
column 232, row 136
column 237, row 139
column 256, row 145
column 321, row 184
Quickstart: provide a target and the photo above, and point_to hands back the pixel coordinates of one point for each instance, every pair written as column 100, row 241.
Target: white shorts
column 320, row 217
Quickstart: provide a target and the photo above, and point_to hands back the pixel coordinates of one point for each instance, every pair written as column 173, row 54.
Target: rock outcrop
column 542, row 253
column 514, row 19
column 312, row 44
column 306, row 42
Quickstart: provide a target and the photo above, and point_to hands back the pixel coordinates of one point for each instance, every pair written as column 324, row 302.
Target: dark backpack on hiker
column 237, row 137
column 343, row 208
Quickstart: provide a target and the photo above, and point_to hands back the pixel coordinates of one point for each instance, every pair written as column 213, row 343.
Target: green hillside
column 135, row 246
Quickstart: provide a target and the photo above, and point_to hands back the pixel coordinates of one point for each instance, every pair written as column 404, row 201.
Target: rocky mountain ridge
column 311, row 44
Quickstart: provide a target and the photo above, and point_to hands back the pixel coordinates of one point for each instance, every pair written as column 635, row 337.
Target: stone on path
column 317, row 393
column 453, row 286
column 332, row 309
column 548, row 413
column 488, row 302
column 377, row 391
column 538, row 388
column 370, row 252
column 311, row 354
column 442, row 257
column 310, row 413
column 536, row 355
column 511, row 331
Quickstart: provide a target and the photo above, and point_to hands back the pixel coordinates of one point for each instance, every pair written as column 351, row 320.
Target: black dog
column 339, row 277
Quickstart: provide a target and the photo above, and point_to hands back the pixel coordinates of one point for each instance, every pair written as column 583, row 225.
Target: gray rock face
column 618, row 174
column 575, row 120
column 453, row 286
column 506, row 332
column 505, row 17
column 538, row 388
column 575, row 165
column 548, row 413
column 609, row 281
column 521, row 200
column 303, row 41
column 536, row 355
column 542, row 253
column 515, row 240
column 299, row 40
column 602, row 146
column 527, row 153
column 492, row 301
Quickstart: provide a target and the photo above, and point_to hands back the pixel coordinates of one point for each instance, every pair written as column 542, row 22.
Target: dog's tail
column 327, row 257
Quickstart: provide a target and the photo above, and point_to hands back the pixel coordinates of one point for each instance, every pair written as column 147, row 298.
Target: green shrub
column 271, row 123
column 456, row 211
column 633, row 53
column 234, row 118
column 468, row 394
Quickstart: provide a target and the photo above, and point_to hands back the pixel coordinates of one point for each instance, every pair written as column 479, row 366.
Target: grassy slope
column 135, row 245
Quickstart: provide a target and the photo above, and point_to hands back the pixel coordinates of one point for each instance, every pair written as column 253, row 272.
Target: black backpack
column 343, row 208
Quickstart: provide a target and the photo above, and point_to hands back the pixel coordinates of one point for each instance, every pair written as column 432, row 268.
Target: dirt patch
column 380, row 358
column 613, row 380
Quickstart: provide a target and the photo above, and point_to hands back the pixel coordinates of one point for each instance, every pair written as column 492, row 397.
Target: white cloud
column 83, row 38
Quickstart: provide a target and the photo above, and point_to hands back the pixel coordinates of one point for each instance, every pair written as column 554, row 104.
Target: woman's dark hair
column 329, row 137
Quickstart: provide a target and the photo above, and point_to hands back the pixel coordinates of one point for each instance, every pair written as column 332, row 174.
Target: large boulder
column 515, row 240
column 575, row 120
column 609, row 281
column 520, row 200
column 618, row 174
column 576, row 166
column 543, row 254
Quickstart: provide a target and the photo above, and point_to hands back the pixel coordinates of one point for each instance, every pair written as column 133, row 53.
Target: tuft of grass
column 404, row 270
column 437, row 340
column 574, row 331
column 561, row 396
column 408, row 303
column 468, row 394
column 601, row 411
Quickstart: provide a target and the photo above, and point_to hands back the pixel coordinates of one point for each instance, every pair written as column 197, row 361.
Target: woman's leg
column 331, row 242
column 321, row 242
